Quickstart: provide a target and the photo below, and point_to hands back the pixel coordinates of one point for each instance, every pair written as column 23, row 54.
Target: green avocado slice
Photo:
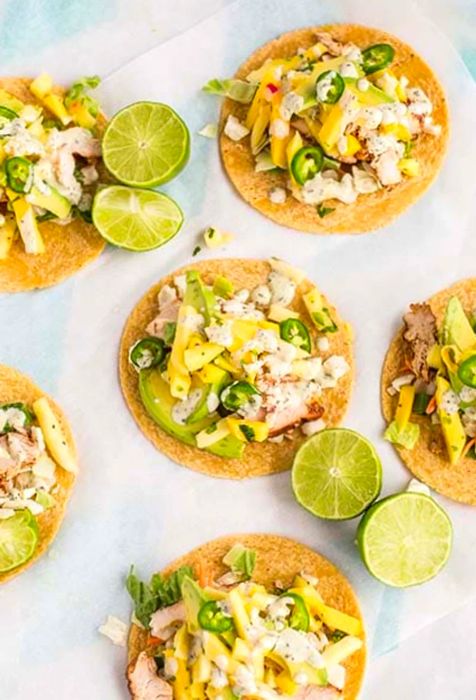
column 371, row 97
column 456, row 328
column 158, row 403
column 199, row 296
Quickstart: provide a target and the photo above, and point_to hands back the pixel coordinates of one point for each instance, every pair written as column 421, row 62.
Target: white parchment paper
column 131, row 504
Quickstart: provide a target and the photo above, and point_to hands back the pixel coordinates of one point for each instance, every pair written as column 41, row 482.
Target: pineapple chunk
column 55, row 437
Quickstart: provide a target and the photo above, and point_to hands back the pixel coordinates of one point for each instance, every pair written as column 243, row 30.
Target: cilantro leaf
column 324, row 211
column 160, row 592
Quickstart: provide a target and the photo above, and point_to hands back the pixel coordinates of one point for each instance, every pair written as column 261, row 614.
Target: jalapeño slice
column 299, row 619
column 19, row 172
column 306, row 163
column 329, row 87
column 212, row 618
column 467, row 372
column 377, row 57
column 293, row 331
column 148, row 352
column 237, row 395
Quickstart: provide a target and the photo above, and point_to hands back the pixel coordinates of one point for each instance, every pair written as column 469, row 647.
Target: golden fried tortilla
column 370, row 211
column 67, row 248
column 259, row 458
column 15, row 386
column 432, row 466
column 278, row 559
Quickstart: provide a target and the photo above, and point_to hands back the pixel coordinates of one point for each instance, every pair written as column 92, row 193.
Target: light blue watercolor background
column 37, row 349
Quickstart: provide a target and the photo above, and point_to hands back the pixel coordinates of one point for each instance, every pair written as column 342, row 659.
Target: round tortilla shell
column 370, row 211
column 278, row 559
column 15, row 386
column 455, row 481
column 67, row 248
column 259, row 458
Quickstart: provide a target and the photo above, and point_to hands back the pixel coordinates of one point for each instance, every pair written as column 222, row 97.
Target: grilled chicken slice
column 162, row 621
column 143, row 681
column 314, row 692
column 419, row 336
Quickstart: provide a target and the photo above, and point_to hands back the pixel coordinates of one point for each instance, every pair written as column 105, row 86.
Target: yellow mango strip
column 239, row 614
column 405, row 405
column 341, row 650
column 181, row 684
column 7, row 235
column 54, row 435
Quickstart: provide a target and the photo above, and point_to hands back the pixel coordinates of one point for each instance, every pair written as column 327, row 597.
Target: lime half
column 135, row 219
column 336, row 474
column 405, row 539
column 146, row 144
column 18, row 540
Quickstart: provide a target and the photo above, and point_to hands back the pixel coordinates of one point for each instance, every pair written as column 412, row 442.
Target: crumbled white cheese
column 313, row 426
column 261, row 295
column 336, row 676
column 166, row 296
column 450, row 402
column 116, row 630
column 419, row 102
column 234, row 129
column 363, row 84
column 403, row 380
column 221, row 334
column 277, row 195
column 279, row 128
column 336, row 366
column 364, row 181
column 324, row 86
column 292, row 103
column 348, row 70
column 180, row 282
column 282, row 289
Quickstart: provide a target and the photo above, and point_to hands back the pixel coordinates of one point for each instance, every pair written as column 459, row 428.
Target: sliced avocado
column 199, row 296
column 201, row 410
column 158, row 403
column 456, row 329
column 371, row 97
column 53, row 202
column 194, row 597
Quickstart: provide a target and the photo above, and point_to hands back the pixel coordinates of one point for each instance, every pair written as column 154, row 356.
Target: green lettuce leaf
column 77, row 92
column 238, row 90
column 407, row 437
column 160, row 592
column 241, row 561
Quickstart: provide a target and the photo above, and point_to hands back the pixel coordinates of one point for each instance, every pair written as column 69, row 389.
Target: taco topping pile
column 439, row 382
column 32, row 443
column 221, row 367
column 235, row 638
column 48, row 160
column 335, row 117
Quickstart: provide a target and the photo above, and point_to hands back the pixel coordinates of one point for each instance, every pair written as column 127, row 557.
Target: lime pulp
column 336, row 474
column 136, row 219
column 146, row 144
column 18, row 540
column 405, row 539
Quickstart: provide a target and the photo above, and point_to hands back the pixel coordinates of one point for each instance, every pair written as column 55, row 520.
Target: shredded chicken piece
column 314, row 692
column 419, row 336
column 167, row 314
column 335, row 48
column 143, row 681
column 162, row 620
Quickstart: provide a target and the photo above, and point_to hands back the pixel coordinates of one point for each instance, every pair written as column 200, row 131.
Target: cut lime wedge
column 405, row 539
column 336, row 474
column 135, row 219
column 146, row 144
column 18, row 540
